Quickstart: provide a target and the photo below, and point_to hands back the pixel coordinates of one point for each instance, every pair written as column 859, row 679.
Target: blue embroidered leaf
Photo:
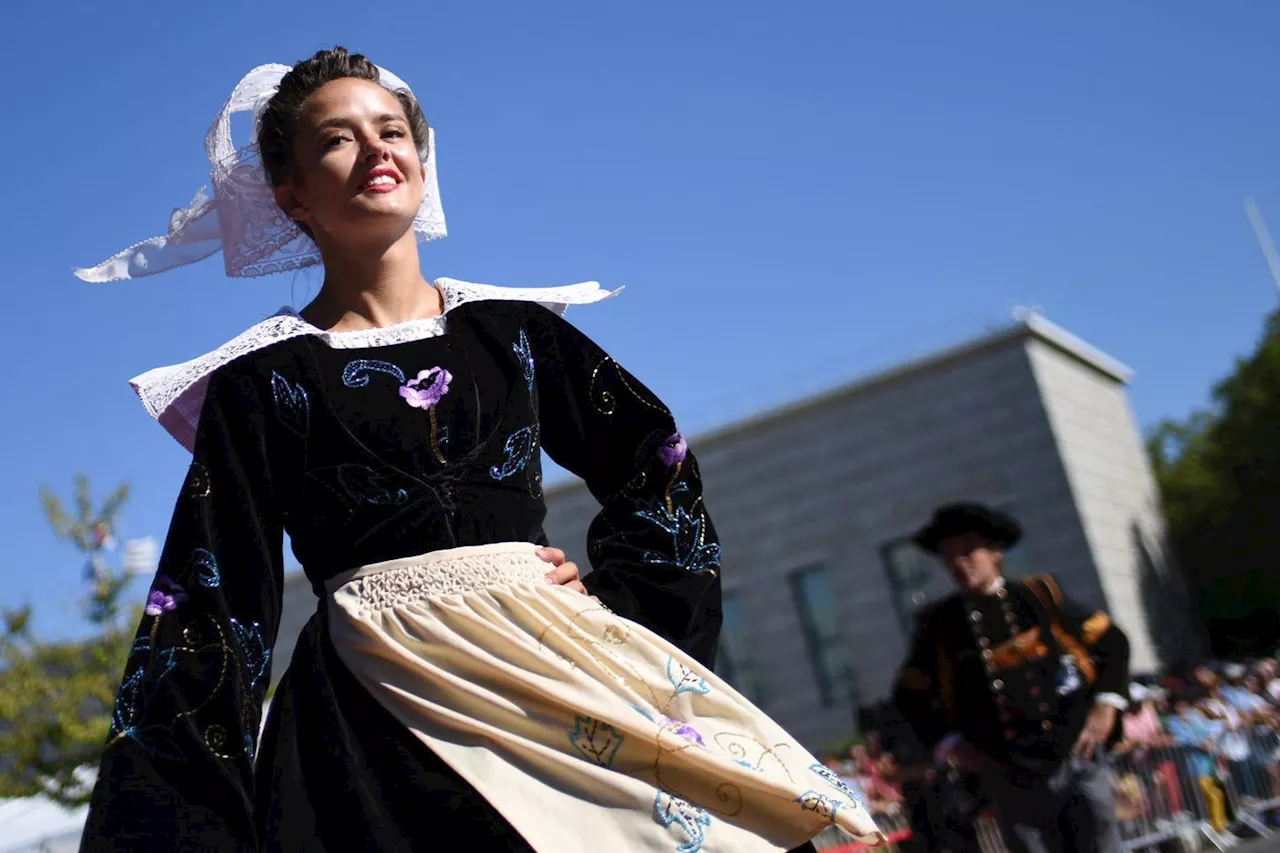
column 525, row 353
column 139, row 686
column 824, row 806
column 356, row 486
column 686, row 547
column 845, row 786
column 356, row 373
column 205, row 565
column 595, row 741
column 685, row 680
column 648, row 716
column 293, row 405
column 253, row 646
column 692, row 821
column 363, row 485
column 519, row 447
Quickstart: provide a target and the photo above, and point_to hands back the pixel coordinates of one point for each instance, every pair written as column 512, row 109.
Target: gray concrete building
column 814, row 502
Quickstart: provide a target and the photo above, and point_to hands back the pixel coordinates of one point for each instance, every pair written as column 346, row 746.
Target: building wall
column 833, row 483
column 1115, row 491
column 299, row 603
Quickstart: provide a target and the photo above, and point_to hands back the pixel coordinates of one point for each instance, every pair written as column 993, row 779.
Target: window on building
column 824, row 634
column 918, row 579
column 733, row 657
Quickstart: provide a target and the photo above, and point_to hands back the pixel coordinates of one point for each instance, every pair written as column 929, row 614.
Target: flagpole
column 1264, row 239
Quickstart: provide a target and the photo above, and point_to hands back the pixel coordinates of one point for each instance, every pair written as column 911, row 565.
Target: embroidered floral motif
column 671, row 724
column 356, row 373
column 140, row 683
column 846, row 787
column 165, row 596
column 684, row 730
column 674, row 450
column 685, row 680
column 525, row 353
column 824, row 806
column 253, row 646
column 428, row 389
column 425, row 392
column 689, row 549
column 359, row 485
column 293, row 405
column 670, row 810
column 595, row 741
column 519, row 448
column 206, row 567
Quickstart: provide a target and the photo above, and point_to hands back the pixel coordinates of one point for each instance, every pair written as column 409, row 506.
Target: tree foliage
column 56, row 697
column 1219, row 478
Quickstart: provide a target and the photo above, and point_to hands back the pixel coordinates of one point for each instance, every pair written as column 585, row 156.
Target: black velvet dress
column 305, row 438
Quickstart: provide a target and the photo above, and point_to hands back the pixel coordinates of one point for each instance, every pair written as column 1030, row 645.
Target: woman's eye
column 332, row 142
column 394, row 134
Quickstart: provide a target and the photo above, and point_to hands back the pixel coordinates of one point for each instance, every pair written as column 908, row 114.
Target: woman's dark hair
column 279, row 120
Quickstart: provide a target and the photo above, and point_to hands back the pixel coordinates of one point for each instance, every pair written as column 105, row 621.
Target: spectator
column 1234, row 708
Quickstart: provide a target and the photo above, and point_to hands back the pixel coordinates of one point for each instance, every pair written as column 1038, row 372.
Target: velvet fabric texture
column 360, row 456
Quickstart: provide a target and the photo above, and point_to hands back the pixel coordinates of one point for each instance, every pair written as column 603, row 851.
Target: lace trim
column 174, row 394
column 410, row 584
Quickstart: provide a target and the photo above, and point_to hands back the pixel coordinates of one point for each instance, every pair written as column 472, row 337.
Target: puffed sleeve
column 654, row 551
column 177, row 770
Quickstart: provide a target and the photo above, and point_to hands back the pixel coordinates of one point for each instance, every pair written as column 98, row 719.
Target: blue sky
column 794, row 194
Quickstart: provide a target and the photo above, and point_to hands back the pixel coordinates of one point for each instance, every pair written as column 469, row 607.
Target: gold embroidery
column 605, row 401
column 1094, row 627
column 435, row 443
column 1018, row 650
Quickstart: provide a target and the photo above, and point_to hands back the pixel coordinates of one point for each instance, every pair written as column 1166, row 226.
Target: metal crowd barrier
column 1180, row 792
column 1186, row 798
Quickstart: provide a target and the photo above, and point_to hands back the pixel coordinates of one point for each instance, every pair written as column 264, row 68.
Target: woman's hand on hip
column 565, row 572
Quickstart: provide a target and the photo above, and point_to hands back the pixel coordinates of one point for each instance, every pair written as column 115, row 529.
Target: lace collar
column 174, row 395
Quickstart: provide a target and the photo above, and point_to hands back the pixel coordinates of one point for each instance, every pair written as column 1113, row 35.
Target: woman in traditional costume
column 444, row 696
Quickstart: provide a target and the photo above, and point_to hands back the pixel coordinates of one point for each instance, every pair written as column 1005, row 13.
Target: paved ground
column 1271, row 845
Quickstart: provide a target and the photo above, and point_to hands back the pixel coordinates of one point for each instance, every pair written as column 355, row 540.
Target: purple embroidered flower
column 673, row 451
column 684, row 730
column 425, row 391
column 165, row 597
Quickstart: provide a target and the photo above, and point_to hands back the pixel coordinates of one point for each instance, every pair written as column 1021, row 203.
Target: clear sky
column 793, row 193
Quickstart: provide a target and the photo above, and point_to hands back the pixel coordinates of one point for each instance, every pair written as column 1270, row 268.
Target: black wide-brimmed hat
column 958, row 519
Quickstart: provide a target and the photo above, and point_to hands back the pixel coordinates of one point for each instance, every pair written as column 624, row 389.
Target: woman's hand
column 565, row 573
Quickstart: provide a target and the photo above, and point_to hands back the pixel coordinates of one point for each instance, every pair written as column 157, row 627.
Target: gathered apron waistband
column 449, row 571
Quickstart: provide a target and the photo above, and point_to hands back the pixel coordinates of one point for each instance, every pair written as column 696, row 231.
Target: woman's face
column 357, row 178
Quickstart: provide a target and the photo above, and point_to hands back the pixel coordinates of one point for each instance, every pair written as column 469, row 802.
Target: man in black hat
column 1013, row 682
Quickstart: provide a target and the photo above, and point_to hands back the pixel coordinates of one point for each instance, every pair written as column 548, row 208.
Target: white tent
column 39, row 825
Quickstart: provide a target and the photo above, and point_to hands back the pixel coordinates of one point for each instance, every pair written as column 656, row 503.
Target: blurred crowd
column 1201, row 745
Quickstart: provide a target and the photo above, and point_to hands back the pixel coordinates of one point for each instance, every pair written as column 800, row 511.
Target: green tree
column 56, row 697
column 1219, row 478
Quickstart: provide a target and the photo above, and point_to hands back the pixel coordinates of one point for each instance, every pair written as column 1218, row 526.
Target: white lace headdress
column 242, row 217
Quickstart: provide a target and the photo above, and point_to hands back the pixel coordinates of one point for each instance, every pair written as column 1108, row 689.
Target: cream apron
column 587, row 732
